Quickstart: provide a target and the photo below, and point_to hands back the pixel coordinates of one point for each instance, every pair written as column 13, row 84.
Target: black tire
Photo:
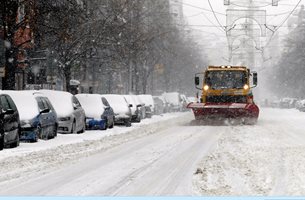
column 112, row 124
column 38, row 134
column 128, row 123
column 17, row 142
column 2, row 142
column 73, row 129
column 55, row 132
column 138, row 119
column 84, row 128
column 105, row 125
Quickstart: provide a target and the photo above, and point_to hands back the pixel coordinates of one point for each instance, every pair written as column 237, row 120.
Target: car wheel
column 2, row 142
column 105, row 125
column 84, row 128
column 17, row 141
column 73, row 129
column 54, row 132
column 138, row 119
column 127, row 123
column 112, row 124
column 38, row 134
column 56, row 129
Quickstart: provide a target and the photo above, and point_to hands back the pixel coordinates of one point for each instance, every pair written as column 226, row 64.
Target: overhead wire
column 216, row 16
column 278, row 27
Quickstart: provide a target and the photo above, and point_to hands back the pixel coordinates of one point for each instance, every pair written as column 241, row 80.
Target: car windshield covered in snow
column 226, row 79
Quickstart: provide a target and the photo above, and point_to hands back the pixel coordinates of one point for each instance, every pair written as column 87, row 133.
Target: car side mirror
column 197, row 81
column 255, row 79
column 8, row 112
column 139, row 105
column 47, row 110
column 75, row 106
column 130, row 105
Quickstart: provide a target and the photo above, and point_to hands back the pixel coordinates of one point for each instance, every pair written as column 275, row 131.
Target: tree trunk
column 67, row 72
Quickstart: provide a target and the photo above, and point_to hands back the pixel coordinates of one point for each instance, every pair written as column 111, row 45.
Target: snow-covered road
column 165, row 156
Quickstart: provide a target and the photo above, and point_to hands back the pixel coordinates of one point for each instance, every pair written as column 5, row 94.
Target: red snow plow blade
column 245, row 111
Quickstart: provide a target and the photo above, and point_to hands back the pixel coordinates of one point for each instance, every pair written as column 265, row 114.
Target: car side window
column 48, row 103
column 76, row 102
column 45, row 103
column 4, row 102
column 11, row 103
column 40, row 103
column 105, row 102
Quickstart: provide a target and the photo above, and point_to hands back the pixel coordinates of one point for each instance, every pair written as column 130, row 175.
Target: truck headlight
column 246, row 87
column 206, row 87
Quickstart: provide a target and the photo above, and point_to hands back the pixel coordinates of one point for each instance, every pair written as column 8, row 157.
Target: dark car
column 99, row 114
column 38, row 118
column 9, row 122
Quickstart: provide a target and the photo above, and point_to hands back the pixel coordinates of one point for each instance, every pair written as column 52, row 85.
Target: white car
column 175, row 101
column 135, row 109
column 71, row 115
column 148, row 100
column 120, row 107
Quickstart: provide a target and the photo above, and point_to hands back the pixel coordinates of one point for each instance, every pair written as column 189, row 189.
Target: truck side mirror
column 197, row 81
column 255, row 78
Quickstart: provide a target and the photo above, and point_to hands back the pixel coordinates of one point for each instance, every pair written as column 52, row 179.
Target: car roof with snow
column 61, row 101
column 25, row 102
column 92, row 104
column 117, row 102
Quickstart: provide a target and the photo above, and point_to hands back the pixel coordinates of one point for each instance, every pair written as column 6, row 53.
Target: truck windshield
column 226, row 79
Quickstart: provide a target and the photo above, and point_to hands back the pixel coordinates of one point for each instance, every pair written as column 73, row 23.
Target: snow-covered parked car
column 9, row 122
column 287, row 103
column 99, row 114
column 184, row 102
column 192, row 99
column 174, row 100
column 38, row 118
column 71, row 115
column 120, row 107
column 161, row 105
column 148, row 100
column 300, row 105
column 136, row 115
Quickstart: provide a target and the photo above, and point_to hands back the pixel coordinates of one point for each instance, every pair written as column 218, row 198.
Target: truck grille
column 226, row 99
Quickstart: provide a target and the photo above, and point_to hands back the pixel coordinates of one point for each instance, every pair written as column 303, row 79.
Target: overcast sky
column 197, row 16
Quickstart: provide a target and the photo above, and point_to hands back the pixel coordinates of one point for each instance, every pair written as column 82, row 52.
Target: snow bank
column 31, row 158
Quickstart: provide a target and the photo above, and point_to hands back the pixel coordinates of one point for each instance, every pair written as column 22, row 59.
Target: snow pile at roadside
column 265, row 159
column 37, row 157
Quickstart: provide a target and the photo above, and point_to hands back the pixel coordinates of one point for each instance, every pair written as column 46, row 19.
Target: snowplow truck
column 226, row 93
